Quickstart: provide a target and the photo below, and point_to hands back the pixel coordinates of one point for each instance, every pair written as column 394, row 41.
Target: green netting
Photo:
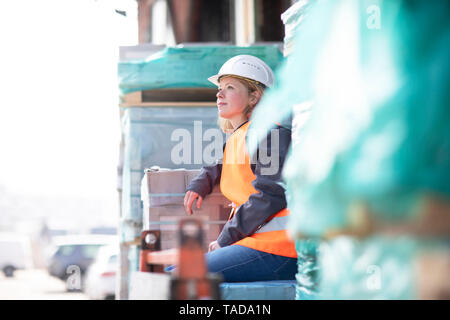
column 308, row 271
column 293, row 17
column 376, row 268
column 379, row 126
column 184, row 67
column 378, row 75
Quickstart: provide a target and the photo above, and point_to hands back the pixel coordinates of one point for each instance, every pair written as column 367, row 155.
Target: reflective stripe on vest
column 276, row 224
column 236, row 185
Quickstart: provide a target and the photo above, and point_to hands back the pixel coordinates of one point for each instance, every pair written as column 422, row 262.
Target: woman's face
column 232, row 98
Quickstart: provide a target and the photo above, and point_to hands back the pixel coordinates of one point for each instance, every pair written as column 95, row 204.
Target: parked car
column 73, row 255
column 15, row 253
column 100, row 281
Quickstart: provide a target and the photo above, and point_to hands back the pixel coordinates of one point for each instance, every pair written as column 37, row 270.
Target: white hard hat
column 246, row 66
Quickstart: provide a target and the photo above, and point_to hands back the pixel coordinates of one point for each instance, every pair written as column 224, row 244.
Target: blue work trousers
column 241, row 264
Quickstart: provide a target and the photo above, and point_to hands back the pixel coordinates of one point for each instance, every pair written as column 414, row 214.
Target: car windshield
column 66, row 250
column 89, row 251
column 112, row 259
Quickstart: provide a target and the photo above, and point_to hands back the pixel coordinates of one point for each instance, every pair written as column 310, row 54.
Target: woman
column 253, row 245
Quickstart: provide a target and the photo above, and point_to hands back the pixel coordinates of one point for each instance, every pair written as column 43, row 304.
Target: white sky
column 59, row 117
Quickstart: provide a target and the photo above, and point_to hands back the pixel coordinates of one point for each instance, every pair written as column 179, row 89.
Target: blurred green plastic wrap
column 378, row 76
column 169, row 67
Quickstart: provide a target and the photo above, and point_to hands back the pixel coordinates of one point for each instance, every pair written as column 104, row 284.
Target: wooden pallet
column 179, row 97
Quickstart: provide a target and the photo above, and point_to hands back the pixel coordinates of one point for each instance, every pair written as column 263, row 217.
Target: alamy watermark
column 373, row 22
column 373, row 281
column 189, row 148
column 73, row 281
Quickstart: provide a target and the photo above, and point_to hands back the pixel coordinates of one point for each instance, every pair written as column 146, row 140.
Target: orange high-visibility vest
column 236, row 186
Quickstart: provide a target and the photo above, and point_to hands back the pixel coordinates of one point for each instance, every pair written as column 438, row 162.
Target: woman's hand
column 213, row 246
column 189, row 200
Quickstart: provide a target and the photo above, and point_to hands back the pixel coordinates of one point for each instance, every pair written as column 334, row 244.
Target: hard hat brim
column 214, row 79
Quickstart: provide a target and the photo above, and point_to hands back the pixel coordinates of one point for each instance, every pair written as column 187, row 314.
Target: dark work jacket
column 260, row 206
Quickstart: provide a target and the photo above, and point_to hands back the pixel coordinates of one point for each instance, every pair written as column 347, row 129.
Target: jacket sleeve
column 208, row 177
column 270, row 197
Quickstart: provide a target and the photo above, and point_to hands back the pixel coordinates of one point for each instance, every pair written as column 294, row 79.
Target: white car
column 15, row 253
column 72, row 256
column 101, row 276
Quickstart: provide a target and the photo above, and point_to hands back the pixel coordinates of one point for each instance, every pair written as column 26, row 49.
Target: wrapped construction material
column 162, row 194
column 150, row 139
column 186, row 67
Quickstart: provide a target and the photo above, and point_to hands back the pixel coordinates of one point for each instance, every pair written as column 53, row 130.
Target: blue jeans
column 241, row 264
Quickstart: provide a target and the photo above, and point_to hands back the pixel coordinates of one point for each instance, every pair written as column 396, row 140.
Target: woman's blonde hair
column 252, row 86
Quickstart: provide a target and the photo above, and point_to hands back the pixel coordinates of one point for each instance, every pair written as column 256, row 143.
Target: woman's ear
column 255, row 96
